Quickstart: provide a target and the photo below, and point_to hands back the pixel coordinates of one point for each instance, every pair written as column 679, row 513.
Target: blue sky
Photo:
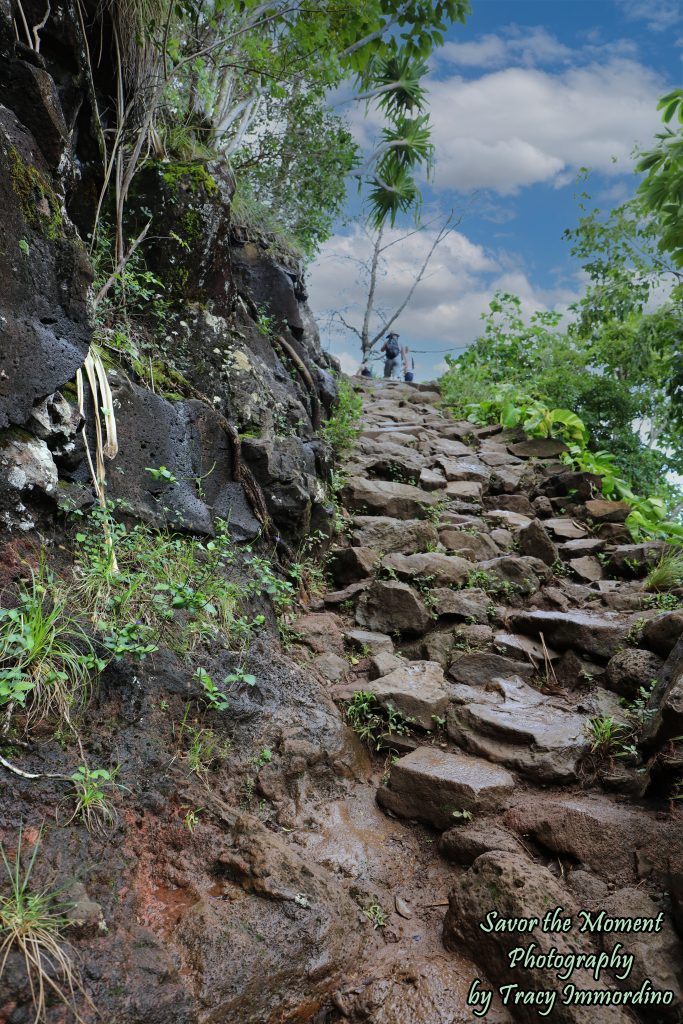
column 521, row 97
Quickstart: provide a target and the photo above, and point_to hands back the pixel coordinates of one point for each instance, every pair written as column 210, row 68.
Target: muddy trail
column 482, row 714
column 493, row 609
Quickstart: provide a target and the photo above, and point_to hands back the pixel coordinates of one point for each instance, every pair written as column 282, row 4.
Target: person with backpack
column 392, row 355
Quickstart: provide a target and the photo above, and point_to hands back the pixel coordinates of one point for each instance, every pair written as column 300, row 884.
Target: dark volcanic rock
column 631, row 669
column 535, row 540
column 390, row 607
column 522, row 890
column 44, row 332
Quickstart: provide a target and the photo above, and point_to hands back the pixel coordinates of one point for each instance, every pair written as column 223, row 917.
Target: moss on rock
column 39, row 203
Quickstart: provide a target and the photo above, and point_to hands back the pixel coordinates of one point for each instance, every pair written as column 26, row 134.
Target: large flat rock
column 513, row 724
column 437, row 568
column 388, row 606
column 387, row 498
column 429, row 784
column 387, row 534
column 593, row 634
column 416, row 689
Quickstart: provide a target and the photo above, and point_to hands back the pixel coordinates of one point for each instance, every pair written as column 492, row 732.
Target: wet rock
column 581, row 546
column 443, row 645
column 347, row 565
column 662, row 633
column 387, row 535
column 474, row 546
column 286, row 468
column 44, row 329
column 587, row 568
column 432, row 480
column 462, row 604
column 463, row 469
column 567, row 529
column 321, row 631
column 658, row 956
column 577, row 485
column 535, row 540
column 417, row 689
column 382, row 664
column 331, row 666
column 538, row 448
column 391, row 607
column 588, row 889
column 633, row 561
column 337, row 597
column 387, row 498
column 542, row 506
column 631, row 669
column 429, row 784
column 508, row 520
column 516, row 645
column 611, row 837
column 465, row 490
column 521, row 573
column 593, row 634
column 367, row 641
column 522, row 890
column 510, row 723
column 483, row 668
column 507, row 479
column 464, row 843
column 608, row 511
column 510, row 502
column 437, row 568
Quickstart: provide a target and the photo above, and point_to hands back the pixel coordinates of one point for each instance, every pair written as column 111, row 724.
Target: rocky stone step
column 510, row 723
column 387, row 498
column 593, row 634
column 431, row 784
column 417, row 690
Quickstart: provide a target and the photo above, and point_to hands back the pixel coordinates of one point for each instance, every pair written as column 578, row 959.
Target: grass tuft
column 31, row 923
column 667, row 574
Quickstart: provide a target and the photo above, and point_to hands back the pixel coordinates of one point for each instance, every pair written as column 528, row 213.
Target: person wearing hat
column 392, row 354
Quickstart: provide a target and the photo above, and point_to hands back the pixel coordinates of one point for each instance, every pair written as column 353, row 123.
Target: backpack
column 392, row 349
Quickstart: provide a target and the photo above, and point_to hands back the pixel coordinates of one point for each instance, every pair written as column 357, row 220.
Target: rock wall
column 236, row 381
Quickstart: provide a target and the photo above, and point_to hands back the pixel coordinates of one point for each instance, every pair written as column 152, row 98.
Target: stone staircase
column 492, row 598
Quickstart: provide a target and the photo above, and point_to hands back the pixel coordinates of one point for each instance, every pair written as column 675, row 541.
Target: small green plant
column 638, row 708
column 191, row 819
column 434, row 513
column 667, row 574
column 239, row 677
column 215, row 699
column 24, row 247
column 93, row 806
column 462, row 815
column 375, row 914
column 265, row 322
column 605, row 736
column 663, row 601
column 263, row 758
column 373, row 724
column 163, row 474
column 491, row 584
column 636, row 628
column 32, row 922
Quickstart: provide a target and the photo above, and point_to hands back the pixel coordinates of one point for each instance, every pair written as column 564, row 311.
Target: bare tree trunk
column 365, row 342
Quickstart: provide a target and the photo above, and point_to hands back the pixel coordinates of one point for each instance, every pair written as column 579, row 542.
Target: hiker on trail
column 392, row 354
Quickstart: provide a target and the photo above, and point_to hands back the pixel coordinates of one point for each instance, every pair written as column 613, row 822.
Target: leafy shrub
column 342, row 428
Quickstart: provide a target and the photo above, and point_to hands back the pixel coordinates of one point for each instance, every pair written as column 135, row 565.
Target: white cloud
column 527, row 46
column 446, row 309
column 521, row 126
column 659, row 15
